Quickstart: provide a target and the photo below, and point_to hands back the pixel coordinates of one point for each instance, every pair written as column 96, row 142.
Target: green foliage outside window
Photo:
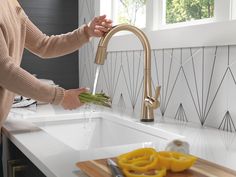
column 187, row 10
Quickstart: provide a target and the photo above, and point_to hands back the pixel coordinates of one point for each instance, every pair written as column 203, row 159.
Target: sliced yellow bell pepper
column 164, row 159
column 140, row 160
column 175, row 161
column 147, row 162
column 150, row 173
column 181, row 161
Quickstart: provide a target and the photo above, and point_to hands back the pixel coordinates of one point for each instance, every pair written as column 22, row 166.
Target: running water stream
column 96, row 79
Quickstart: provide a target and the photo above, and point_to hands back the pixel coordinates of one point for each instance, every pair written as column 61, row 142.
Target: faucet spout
column 147, row 109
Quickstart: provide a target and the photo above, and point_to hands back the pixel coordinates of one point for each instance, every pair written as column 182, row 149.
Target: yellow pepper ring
column 141, row 163
column 140, row 160
column 135, row 159
column 175, row 161
column 140, row 166
column 181, row 161
column 151, row 173
column 137, row 154
column 165, row 159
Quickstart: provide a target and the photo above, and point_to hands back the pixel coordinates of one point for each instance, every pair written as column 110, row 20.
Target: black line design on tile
column 185, row 76
column 157, row 75
column 127, row 85
column 133, row 91
column 85, row 4
column 228, row 55
column 121, row 102
column 132, row 81
column 133, row 74
column 86, row 66
column 112, row 81
column 227, row 123
column 203, row 78
column 168, row 80
column 129, row 78
column 90, row 12
column 180, row 114
column 196, row 86
column 105, row 79
column 136, row 90
column 107, row 66
column 118, row 76
column 163, row 110
column 164, row 105
column 163, row 79
column 156, row 66
column 91, row 65
column 209, row 86
column 191, row 56
column 228, row 69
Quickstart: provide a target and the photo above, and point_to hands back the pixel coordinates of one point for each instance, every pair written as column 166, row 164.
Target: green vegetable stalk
column 98, row 99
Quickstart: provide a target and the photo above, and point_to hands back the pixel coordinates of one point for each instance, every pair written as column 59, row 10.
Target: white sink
column 99, row 132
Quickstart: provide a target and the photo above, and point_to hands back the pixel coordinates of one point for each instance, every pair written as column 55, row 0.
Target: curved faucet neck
column 148, row 113
column 103, row 43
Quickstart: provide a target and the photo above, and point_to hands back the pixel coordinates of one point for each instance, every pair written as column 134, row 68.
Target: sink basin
column 99, row 132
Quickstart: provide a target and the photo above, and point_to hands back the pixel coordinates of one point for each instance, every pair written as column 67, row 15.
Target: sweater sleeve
column 17, row 80
column 55, row 45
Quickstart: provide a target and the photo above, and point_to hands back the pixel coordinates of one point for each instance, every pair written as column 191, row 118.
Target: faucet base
column 147, row 120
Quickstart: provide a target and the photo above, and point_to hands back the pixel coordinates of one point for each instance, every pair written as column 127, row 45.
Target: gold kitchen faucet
column 149, row 103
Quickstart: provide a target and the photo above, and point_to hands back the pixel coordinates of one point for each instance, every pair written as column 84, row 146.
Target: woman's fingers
column 71, row 98
column 82, row 90
column 106, row 24
column 99, row 26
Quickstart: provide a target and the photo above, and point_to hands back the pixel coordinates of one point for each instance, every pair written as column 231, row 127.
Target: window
column 124, row 11
column 130, row 11
column 188, row 10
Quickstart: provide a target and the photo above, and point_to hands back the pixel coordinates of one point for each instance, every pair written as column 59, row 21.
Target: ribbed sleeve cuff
column 82, row 34
column 58, row 96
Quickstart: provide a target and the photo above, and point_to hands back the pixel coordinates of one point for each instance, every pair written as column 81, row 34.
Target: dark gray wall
column 53, row 17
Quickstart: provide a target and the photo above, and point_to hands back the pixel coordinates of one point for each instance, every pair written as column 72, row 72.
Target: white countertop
column 56, row 159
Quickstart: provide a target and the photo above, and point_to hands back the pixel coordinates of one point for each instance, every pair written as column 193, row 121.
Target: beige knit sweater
column 16, row 33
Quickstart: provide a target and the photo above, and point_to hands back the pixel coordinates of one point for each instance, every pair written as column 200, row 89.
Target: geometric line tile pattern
column 197, row 82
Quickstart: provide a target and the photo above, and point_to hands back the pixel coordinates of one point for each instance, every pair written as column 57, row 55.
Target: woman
column 18, row 32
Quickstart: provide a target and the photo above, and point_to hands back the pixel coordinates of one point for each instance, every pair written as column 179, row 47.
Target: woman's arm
column 19, row 81
column 58, row 45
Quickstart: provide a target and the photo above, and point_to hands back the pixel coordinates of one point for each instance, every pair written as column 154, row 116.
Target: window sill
column 187, row 24
column 210, row 34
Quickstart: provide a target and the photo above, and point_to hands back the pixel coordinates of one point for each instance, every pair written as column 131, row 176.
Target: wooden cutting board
column 202, row 168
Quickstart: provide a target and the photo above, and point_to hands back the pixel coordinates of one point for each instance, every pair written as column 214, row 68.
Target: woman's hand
column 99, row 26
column 71, row 98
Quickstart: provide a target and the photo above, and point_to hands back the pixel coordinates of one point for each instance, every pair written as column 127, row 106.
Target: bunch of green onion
column 98, row 99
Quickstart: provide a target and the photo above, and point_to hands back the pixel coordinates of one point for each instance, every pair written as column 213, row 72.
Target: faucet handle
column 153, row 102
column 157, row 94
